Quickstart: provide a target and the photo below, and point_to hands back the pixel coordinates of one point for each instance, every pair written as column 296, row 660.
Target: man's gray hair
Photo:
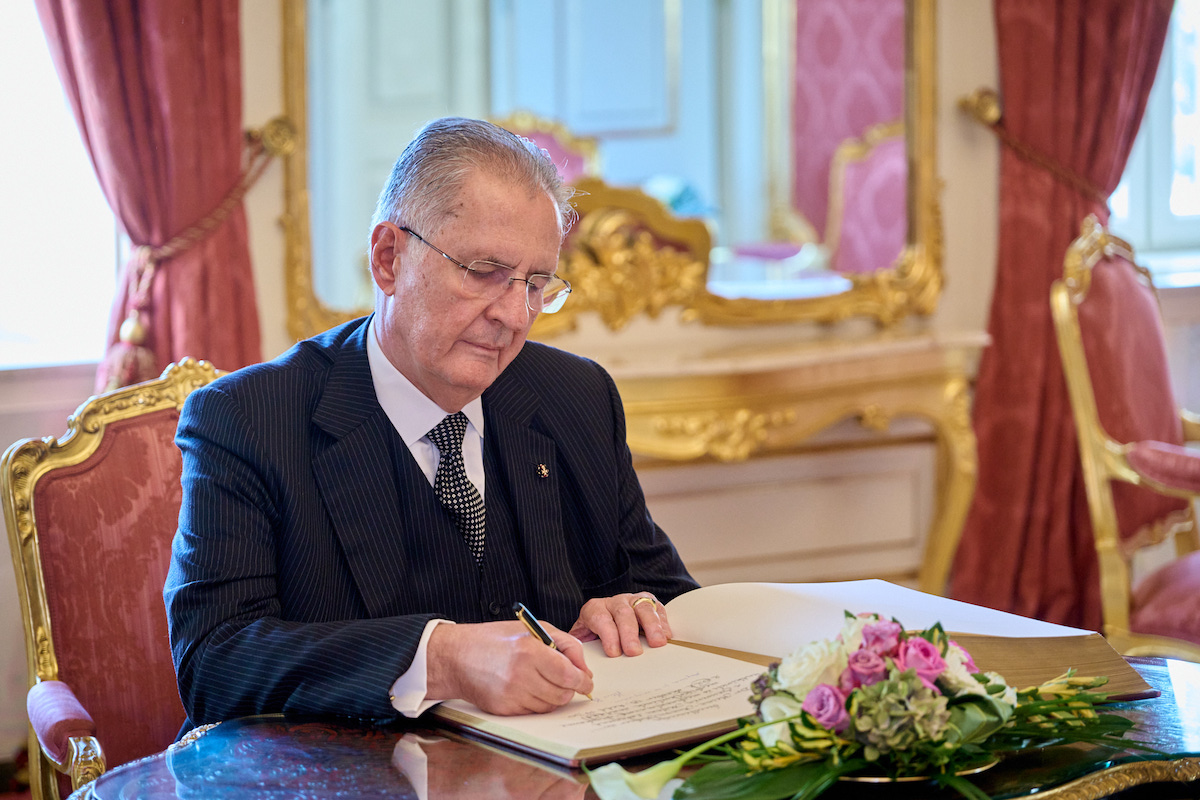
column 423, row 187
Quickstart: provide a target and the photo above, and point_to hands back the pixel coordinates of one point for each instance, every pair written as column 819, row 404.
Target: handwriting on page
column 686, row 696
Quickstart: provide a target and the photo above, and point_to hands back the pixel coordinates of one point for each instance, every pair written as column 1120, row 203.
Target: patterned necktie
column 453, row 488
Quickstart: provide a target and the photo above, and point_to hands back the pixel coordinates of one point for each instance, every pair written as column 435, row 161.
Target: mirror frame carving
column 911, row 285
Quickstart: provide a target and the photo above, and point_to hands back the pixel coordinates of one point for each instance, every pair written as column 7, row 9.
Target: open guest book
column 698, row 686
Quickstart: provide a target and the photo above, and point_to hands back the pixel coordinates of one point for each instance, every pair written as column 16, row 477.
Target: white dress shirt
column 414, row 415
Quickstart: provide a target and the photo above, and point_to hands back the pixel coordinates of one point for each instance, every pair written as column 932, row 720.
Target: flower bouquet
column 877, row 702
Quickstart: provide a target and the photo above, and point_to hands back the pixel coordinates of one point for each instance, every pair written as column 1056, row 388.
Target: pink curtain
column 1075, row 76
column 156, row 90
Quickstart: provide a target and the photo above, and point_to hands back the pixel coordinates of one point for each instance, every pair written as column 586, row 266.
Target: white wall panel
column 621, row 65
column 379, row 69
column 852, row 513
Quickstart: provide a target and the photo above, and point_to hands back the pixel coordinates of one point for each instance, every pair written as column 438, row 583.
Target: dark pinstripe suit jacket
column 294, row 582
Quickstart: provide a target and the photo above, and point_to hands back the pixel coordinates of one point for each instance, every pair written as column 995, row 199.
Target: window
column 1157, row 205
column 58, row 239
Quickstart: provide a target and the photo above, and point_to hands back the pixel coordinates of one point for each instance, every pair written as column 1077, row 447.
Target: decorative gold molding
column 1095, row 242
column 726, row 435
column 911, row 286
column 628, row 255
column 983, row 104
column 192, row 735
column 43, row 657
column 278, row 136
column 86, row 762
column 1125, row 776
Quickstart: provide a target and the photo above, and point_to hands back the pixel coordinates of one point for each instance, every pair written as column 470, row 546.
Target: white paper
column 662, row 691
column 774, row 619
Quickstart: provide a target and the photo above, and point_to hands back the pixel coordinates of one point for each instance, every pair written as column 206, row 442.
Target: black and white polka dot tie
column 453, row 488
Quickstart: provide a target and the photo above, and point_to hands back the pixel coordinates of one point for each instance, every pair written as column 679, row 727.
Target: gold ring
column 649, row 600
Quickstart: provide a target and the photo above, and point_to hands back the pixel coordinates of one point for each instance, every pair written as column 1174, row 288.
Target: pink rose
column 967, row 661
column 882, row 638
column 922, row 656
column 863, row 668
column 828, row 706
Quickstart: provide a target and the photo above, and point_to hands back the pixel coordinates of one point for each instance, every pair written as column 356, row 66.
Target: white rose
column 957, row 679
column 777, row 706
column 851, row 636
column 818, row 662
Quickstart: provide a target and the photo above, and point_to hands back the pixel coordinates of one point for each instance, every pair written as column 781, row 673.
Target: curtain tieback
column 984, row 107
column 129, row 360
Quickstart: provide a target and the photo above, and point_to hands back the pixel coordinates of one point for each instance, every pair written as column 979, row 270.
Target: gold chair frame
column 523, row 123
column 22, row 466
column 852, row 151
column 1105, row 460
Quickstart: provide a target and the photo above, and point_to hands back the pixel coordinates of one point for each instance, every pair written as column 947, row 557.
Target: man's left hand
column 617, row 622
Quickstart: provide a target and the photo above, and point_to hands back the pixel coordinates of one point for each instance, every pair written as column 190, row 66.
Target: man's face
column 450, row 345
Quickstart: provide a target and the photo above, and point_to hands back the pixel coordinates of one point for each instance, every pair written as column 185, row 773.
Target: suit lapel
column 528, row 459
column 355, row 474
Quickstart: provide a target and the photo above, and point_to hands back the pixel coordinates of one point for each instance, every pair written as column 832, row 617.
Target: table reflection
column 438, row 767
column 277, row 757
column 774, row 272
column 1185, row 678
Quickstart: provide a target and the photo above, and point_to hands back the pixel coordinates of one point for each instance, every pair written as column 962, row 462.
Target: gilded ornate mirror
column 765, row 121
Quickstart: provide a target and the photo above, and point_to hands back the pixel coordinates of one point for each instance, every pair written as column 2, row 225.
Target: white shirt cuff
column 409, row 690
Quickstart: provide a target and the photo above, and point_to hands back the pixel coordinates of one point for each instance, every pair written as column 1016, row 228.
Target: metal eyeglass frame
column 557, row 301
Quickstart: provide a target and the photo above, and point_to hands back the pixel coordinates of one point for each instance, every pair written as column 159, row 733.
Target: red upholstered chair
column 575, row 156
column 868, row 191
column 90, row 518
column 1140, row 480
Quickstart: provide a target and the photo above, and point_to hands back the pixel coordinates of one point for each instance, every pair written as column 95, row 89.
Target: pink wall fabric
column 848, row 76
column 1075, row 75
column 156, row 90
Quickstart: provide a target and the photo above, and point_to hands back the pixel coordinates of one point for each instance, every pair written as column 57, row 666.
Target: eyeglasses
column 487, row 279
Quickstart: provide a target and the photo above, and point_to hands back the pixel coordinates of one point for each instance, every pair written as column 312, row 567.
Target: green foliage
column 937, row 719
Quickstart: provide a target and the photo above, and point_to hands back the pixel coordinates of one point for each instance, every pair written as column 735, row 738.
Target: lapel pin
column 543, row 471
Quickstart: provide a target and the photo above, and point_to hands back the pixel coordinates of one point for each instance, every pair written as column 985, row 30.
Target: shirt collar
column 411, row 412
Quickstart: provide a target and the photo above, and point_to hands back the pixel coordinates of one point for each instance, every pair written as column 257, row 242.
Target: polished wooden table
column 277, row 757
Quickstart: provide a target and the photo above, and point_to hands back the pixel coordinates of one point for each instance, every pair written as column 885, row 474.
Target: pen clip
column 532, row 625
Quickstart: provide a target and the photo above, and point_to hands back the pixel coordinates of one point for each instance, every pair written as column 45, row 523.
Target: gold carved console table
column 732, row 403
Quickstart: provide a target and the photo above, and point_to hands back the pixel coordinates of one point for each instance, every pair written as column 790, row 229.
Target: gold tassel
column 129, row 361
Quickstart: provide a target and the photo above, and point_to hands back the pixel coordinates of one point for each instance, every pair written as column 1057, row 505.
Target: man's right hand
column 500, row 668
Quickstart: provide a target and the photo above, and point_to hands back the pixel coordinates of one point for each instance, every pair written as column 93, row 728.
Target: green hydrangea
column 894, row 714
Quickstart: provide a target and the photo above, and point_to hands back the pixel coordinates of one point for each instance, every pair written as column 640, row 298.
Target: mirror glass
column 799, row 130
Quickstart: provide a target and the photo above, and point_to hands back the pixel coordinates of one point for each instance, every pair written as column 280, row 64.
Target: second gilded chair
column 1139, row 477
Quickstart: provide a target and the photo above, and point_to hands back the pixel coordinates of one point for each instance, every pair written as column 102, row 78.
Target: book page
column 774, row 619
column 637, row 700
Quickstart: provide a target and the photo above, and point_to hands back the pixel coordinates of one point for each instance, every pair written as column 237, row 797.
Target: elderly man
column 360, row 514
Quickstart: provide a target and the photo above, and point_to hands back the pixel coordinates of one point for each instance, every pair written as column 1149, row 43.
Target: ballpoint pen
column 536, row 630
